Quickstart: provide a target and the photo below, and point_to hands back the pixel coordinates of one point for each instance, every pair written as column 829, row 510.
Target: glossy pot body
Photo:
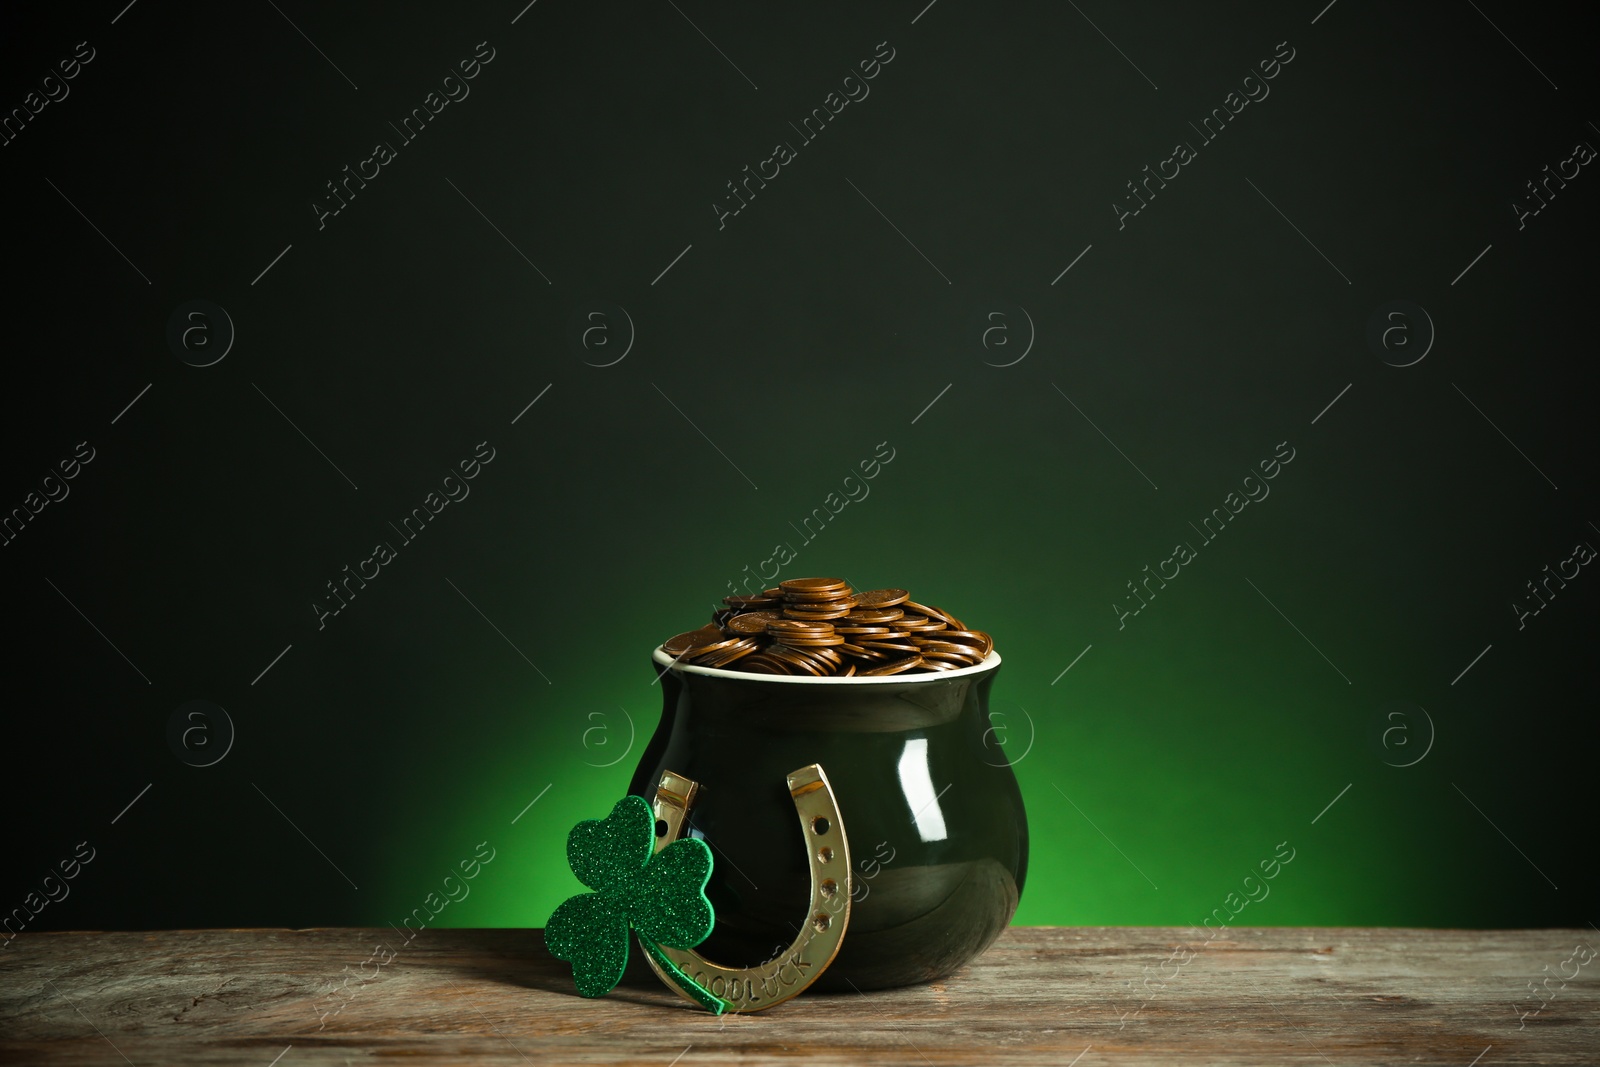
column 935, row 823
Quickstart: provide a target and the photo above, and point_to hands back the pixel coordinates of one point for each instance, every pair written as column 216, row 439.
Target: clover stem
column 697, row 992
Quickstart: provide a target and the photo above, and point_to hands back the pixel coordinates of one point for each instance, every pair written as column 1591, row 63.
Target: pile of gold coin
column 822, row 627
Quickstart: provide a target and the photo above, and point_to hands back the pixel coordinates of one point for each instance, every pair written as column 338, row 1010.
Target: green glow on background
column 1193, row 741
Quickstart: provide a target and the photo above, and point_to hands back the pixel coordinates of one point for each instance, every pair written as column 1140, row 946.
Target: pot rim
column 990, row 662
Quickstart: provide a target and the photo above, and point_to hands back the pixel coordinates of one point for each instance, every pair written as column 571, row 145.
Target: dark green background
column 1190, row 743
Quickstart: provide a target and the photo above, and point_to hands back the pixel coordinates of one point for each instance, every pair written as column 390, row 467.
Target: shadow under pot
column 937, row 834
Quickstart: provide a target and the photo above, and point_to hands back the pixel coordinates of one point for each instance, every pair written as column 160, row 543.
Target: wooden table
column 1041, row 995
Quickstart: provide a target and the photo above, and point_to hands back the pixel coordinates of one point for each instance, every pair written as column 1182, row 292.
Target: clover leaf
column 660, row 894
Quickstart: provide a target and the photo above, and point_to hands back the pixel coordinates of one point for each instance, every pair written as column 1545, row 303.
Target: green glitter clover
column 662, row 895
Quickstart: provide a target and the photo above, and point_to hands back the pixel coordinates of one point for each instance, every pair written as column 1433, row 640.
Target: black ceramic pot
column 937, row 833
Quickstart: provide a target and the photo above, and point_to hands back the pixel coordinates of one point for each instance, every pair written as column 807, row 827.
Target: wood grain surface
column 1046, row 995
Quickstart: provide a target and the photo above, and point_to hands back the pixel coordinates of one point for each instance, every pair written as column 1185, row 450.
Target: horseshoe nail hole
column 820, row 922
column 829, row 887
column 825, row 854
column 661, row 828
column 819, row 825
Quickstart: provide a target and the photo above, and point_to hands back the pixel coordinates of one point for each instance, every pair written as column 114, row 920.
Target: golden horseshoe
column 788, row 973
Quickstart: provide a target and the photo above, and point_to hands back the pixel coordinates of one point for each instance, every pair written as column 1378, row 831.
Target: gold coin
column 698, row 655
column 816, row 614
column 779, row 627
column 761, row 663
column 862, row 630
column 874, row 616
column 811, row 586
column 889, row 646
column 794, row 658
column 751, row 622
column 883, row 598
column 678, row 644
column 964, row 659
column 899, row 666
column 976, row 638
column 728, row 654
